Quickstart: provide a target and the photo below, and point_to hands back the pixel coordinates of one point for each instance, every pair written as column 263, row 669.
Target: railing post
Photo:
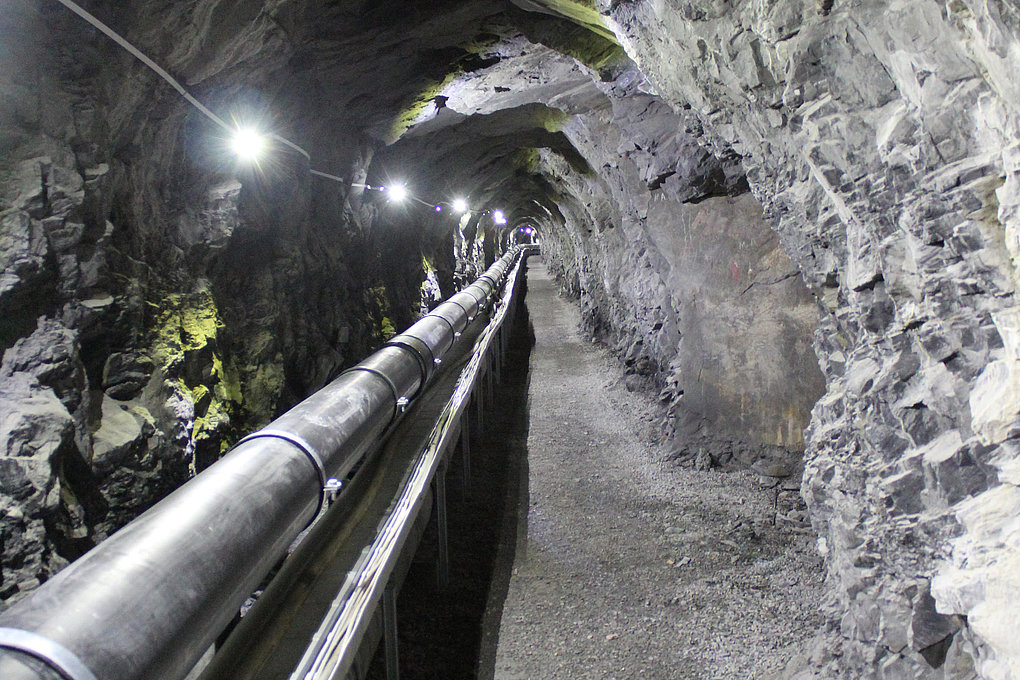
column 465, row 449
column 498, row 356
column 444, row 546
column 389, row 612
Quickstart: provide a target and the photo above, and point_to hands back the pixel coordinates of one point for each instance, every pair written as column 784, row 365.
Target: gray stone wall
column 881, row 139
column 157, row 299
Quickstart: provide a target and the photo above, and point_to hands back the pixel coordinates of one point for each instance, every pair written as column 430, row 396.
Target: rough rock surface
column 880, row 137
column 170, row 297
column 689, row 166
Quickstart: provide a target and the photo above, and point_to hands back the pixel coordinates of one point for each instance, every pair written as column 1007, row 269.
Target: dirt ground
column 633, row 566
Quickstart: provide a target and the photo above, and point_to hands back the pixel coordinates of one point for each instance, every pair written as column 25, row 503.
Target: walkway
column 635, row 568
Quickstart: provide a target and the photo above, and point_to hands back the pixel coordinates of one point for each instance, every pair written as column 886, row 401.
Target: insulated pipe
column 437, row 333
column 422, row 355
column 479, row 293
column 469, row 303
column 454, row 313
column 151, row 599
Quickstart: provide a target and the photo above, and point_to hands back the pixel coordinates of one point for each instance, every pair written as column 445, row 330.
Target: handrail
column 334, row 647
column 152, row 598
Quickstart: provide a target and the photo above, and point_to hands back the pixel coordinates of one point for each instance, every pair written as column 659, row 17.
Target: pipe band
column 416, row 355
column 467, row 314
column 437, row 316
column 479, row 301
column 389, row 383
column 423, row 343
column 54, row 655
column 301, row 444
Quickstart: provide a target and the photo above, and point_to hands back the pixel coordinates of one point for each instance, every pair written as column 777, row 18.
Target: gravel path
column 633, row 567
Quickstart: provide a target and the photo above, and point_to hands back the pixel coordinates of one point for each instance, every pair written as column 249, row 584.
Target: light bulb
column 397, row 192
column 247, row 144
column 460, row 205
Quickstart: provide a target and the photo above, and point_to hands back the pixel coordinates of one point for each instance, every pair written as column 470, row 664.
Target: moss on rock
column 186, row 352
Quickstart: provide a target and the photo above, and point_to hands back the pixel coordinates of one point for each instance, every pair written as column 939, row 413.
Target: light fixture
column 439, row 208
column 397, row 192
column 498, row 217
column 247, row 144
column 460, row 205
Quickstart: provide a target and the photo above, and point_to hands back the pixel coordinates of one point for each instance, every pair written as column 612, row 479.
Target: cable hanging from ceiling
column 249, row 144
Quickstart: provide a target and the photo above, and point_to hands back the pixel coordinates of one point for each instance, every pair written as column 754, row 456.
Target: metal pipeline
column 152, row 598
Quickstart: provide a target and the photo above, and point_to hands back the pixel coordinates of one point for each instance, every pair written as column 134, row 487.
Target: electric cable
column 204, row 110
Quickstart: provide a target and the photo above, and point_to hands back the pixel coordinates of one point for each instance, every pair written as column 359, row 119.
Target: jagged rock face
column 158, row 299
column 779, row 214
column 881, row 139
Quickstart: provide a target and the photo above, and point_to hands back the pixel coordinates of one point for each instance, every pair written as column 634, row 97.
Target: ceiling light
column 498, row 217
column 397, row 192
column 460, row 205
column 247, row 144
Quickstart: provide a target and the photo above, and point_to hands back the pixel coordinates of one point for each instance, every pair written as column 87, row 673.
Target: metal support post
column 490, row 392
column 444, row 546
column 498, row 357
column 389, row 612
column 479, row 408
column 465, row 449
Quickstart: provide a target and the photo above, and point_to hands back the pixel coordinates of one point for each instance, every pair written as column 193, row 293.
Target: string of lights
column 248, row 144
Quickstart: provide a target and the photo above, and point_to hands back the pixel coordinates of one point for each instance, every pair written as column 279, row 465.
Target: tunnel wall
column 676, row 269
column 151, row 295
column 881, row 139
column 157, row 298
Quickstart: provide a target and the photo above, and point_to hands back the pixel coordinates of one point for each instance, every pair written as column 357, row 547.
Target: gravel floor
column 634, row 567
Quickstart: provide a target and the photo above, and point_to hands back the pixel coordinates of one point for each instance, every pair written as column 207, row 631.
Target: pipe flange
column 389, row 383
column 467, row 314
column 303, row 446
column 53, row 654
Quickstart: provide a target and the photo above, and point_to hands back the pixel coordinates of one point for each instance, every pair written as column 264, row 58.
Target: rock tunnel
column 794, row 224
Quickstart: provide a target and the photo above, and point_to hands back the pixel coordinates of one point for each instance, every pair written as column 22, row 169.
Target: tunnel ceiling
column 459, row 99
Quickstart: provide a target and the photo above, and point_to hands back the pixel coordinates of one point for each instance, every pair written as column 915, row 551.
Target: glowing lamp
column 460, row 205
column 498, row 217
column 247, row 144
column 439, row 208
column 397, row 192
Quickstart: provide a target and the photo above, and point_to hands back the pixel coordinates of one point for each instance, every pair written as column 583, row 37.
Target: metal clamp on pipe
column 480, row 296
column 470, row 310
column 56, row 656
column 385, row 379
column 421, row 352
column 305, row 448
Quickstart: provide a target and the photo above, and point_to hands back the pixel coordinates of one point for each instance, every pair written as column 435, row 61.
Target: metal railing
column 150, row 600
